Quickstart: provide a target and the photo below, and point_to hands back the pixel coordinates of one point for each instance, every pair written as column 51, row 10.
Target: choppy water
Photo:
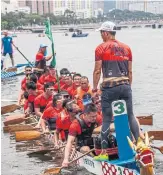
column 77, row 54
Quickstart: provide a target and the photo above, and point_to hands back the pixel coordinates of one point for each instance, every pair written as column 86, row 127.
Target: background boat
column 13, row 71
column 80, row 35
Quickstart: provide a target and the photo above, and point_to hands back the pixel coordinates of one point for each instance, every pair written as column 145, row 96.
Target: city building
column 122, row 5
column 38, row 6
column 98, row 12
column 155, row 7
column 13, row 7
column 82, row 8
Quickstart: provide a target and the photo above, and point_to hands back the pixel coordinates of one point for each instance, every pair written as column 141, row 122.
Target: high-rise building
column 82, row 8
column 122, row 5
column 22, row 3
column 38, row 6
column 155, row 7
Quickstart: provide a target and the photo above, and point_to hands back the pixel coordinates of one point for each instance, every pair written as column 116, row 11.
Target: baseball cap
column 43, row 45
column 107, row 26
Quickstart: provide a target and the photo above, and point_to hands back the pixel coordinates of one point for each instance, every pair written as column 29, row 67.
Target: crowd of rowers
column 72, row 112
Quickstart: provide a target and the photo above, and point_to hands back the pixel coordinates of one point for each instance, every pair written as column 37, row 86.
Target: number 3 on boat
column 122, row 129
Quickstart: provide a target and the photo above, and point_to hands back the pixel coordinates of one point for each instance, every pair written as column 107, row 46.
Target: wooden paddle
column 4, row 100
column 158, row 135
column 27, row 135
column 9, row 108
column 58, row 169
column 19, row 127
column 15, row 119
column 143, row 120
column 44, row 151
column 158, row 148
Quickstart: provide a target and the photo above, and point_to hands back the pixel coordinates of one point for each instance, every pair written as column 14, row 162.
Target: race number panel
column 119, row 107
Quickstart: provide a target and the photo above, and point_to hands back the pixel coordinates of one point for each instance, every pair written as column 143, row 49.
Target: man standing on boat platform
column 6, row 47
column 114, row 59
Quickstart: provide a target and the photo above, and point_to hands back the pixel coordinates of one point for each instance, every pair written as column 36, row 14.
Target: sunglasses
column 102, row 31
column 66, row 96
column 83, row 83
column 28, row 70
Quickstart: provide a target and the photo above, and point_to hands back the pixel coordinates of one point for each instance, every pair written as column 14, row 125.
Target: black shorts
column 11, row 54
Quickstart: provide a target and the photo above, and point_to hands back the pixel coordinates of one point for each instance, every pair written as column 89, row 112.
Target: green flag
column 48, row 32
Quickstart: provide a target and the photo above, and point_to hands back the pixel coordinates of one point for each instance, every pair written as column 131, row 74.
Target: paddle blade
column 27, row 135
column 158, row 135
column 15, row 128
column 9, row 108
column 145, row 120
column 14, row 119
column 161, row 149
column 40, row 151
column 52, row 171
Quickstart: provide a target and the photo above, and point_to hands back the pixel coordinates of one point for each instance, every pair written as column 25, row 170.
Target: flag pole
column 48, row 32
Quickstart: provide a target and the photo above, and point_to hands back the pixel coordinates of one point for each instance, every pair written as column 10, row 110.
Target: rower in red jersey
column 33, row 93
column 63, row 73
column 28, row 71
column 43, row 99
column 52, row 75
column 51, row 113
column 43, row 76
column 64, row 120
column 68, row 82
column 76, row 83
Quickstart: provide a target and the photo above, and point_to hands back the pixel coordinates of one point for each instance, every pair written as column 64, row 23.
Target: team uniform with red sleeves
column 83, row 130
column 38, row 86
column 72, row 90
column 42, row 79
column 32, row 97
column 41, row 102
column 63, row 124
column 50, row 78
column 50, row 115
column 23, row 81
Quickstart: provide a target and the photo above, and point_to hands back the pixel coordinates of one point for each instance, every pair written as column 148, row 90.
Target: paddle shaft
column 158, row 148
column 82, row 156
column 22, row 54
column 57, row 170
column 9, row 100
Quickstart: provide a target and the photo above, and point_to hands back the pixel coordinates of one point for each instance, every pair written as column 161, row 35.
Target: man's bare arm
column 37, row 112
column 97, row 73
column 68, row 147
column 48, row 57
column 130, row 71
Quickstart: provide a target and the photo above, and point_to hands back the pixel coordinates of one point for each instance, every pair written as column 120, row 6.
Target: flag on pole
column 48, row 32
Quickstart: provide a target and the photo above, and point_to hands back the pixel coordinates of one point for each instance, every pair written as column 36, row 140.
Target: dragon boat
column 132, row 159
